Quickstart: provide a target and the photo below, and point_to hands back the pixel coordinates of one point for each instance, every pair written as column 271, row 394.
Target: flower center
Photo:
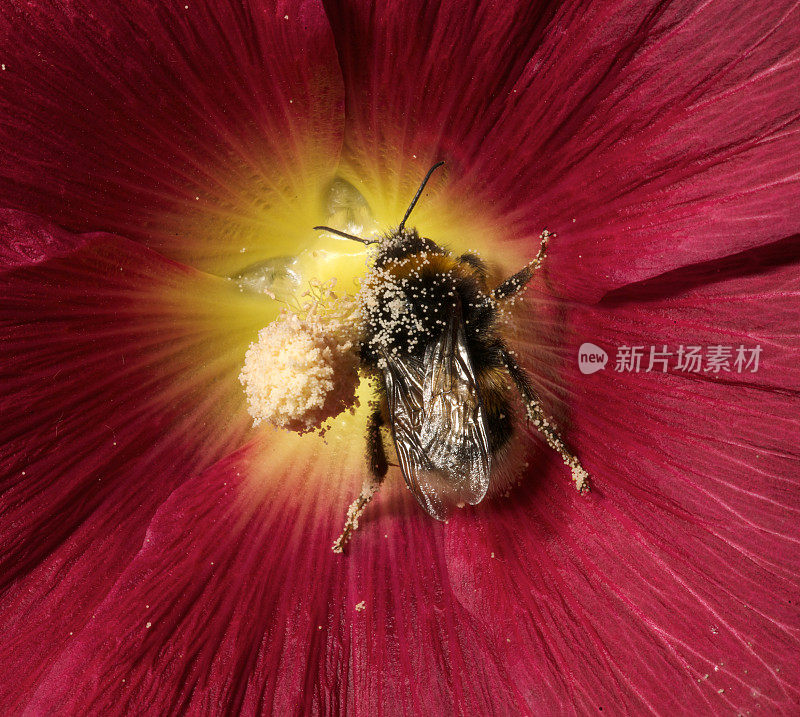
column 327, row 256
column 303, row 369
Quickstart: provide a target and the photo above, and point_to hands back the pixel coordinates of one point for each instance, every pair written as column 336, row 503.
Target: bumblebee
column 446, row 377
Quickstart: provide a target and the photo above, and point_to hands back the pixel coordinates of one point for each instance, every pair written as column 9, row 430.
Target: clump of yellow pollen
column 303, row 369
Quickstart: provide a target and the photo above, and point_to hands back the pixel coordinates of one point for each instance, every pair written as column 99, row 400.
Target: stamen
column 355, row 511
column 303, row 369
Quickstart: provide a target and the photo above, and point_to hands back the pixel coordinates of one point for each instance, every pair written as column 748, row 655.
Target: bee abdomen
column 498, row 407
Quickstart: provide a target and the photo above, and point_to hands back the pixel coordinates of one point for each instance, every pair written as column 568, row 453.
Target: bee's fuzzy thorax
column 408, row 296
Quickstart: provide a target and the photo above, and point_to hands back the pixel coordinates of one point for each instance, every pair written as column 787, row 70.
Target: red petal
column 199, row 128
column 671, row 587
column 237, row 604
column 24, row 241
column 682, row 560
column 118, row 374
column 647, row 136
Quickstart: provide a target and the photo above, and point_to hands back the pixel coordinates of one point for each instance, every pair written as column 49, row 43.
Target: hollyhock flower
column 162, row 163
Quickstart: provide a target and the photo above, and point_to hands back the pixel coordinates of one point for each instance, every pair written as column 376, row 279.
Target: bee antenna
column 346, row 235
column 419, row 191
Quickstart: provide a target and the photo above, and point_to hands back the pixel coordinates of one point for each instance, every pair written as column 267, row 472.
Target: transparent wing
column 438, row 423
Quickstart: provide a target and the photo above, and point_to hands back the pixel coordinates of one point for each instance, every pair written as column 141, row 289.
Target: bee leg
column 376, row 453
column 378, row 466
column 517, row 283
column 536, row 416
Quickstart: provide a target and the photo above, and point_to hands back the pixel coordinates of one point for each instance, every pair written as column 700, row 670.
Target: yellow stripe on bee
column 430, row 262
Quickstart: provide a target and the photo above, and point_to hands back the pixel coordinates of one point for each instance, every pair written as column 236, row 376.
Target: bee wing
column 439, row 424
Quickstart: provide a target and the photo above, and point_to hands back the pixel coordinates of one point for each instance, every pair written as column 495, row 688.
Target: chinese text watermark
column 714, row 358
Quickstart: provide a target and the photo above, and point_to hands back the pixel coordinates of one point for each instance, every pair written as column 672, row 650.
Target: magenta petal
column 182, row 124
column 25, row 241
column 424, row 82
column 673, row 586
column 424, row 77
column 682, row 560
column 680, row 150
column 117, row 382
column 146, row 568
column 236, row 604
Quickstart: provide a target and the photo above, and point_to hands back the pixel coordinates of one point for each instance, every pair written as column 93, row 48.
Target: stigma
column 303, row 368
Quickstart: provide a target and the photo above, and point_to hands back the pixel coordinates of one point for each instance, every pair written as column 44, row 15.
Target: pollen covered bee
column 430, row 332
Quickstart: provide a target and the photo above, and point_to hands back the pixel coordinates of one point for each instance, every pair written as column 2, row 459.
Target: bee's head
column 401, row 243
column 401, row 236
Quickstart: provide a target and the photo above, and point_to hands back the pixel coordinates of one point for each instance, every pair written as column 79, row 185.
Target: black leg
column 520, row 378
column 376, row 453
column 378, row 466
column 517, row 283
column 536, row 416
